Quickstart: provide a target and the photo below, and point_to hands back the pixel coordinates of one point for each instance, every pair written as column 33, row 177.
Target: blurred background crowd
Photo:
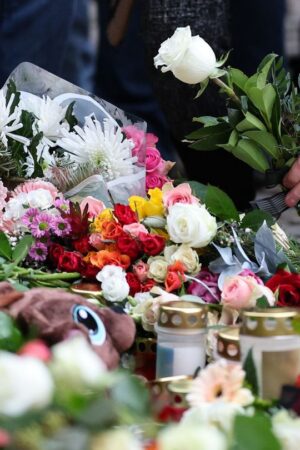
column 107, row 47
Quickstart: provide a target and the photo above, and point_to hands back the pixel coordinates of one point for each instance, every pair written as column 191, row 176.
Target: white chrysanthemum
column 50, row 116
column 103, row 146
column 10, row 122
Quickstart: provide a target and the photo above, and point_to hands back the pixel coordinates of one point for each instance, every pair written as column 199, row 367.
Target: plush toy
column 56, row 315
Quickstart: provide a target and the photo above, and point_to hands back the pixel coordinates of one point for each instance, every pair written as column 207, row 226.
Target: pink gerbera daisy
column 41, row 225
column 30, row 186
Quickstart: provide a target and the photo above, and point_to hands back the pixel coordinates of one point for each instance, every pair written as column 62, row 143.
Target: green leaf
column 223, row 59
column 22, row 248
column 199, row 189
column 70, row 117
column 11, row 89
column 251, row 154
column 203, row 86
column 262, row 302
column 218, row 73
column 266, row 140
column 254, row 219
column 131, row 393
column 10, row 336
column 234, row 116
column 251, row 374
column 254, row 433
column 208, row 138
column 220, row 204
column 5, row 248
column 250, row 122
column 263, row 99
column 264, row 69
column 206, row 120
column 238, row 78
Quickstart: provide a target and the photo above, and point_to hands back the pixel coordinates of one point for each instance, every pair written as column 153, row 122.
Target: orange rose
column 111, row 230
column 173, row 281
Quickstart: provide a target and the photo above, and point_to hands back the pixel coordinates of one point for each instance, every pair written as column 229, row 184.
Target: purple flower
column 207, row 287
column 62, row 204
column 38, row 251
column 60, row 226
column 41, row 225
column 29, row 216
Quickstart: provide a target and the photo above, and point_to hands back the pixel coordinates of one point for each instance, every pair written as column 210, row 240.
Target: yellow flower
column 156, row 196
column 106, row 214
column 137, row 204
column 153, row 209
column 160, row 232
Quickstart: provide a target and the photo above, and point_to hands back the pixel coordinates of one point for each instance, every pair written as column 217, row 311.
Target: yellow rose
column 153, row 209
column 137, row 204
column 155, row 195
column 106, row 214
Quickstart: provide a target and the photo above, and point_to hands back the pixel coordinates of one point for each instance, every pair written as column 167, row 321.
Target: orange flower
column 125, row 261
column 173, row 281
column 178, row 266
column 105, row 257
column 111, row 230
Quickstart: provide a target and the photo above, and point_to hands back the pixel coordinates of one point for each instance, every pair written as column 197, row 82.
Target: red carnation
column 152, row 244
column 82, row 245
column 287, row 286
column 124, row 214
column 128, row 246
column 134, row 283
column 55, row 251
column 69, row 262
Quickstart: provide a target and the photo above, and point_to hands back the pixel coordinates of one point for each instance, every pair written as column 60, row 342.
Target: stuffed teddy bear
column 55, row 315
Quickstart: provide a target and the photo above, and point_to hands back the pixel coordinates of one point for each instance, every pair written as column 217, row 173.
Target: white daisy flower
column 50, row 116
column 102, row 145
column 9, row 123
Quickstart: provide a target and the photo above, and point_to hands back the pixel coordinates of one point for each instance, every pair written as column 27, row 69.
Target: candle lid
column 228, row 343
column 269, row 322
column 183, row 315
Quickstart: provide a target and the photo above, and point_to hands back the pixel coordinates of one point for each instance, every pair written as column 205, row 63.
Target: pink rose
column 134, row 229
column 243, row 292
column 140, row 269
column 151, row 140
column 179, row 194
column 153, row 160
column 95, row 206
column 154, row 180
column 249, row 273
column 95, row 240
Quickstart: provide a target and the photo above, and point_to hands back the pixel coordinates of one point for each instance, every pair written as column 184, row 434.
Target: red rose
column 124, row 214
column 69, row 262
column 134, row 283
column 82, row 245
column 173, row 281
column 89, row 271
column 55, row 251
column 147, row 285
column 287, row 286
column 152, row 244
column 128, row 246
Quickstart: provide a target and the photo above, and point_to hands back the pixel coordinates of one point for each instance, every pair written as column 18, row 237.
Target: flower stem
column 55, row 276
column 230, row 92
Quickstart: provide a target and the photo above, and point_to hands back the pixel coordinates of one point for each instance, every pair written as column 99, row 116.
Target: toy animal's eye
column 88, row 318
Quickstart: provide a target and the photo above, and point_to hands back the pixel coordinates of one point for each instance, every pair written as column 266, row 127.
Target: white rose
column 158, row 268
column 40, row 198
column 110, row 271
column 76, row 365
column 287, row 430
column 191, row 224
column 115, row 289
column 14, row 209
column 199, row 437
column 25, row 384
column 189, row 57
column 185, row 254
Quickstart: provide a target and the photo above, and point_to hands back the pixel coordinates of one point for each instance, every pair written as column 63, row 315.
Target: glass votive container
column 275, row 347
column 228, row 344
column 181, row 338
column 145, row 357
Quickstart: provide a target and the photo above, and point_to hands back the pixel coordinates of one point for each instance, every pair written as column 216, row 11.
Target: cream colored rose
column 158, row 268
column 188, row 57
column 191, row 224
column 185, row 254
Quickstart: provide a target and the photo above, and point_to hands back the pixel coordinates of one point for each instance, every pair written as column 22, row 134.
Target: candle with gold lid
column 275, row 347
column 228, row 343
column 181, row 337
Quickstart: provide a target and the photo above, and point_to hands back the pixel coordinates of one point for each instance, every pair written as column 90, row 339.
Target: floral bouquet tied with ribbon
column 262, row 124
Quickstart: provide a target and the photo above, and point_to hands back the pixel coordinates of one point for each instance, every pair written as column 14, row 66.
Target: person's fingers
column 293, row 176
column 293, row 197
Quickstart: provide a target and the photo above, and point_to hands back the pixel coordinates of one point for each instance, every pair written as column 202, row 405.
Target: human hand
column 292, row 182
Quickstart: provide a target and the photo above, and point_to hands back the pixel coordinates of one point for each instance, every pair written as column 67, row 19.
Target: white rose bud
column 114, row 284
column 191, row 224
column 188, row 57
column 25, row 384
column 158, row 268
column 75, row 365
